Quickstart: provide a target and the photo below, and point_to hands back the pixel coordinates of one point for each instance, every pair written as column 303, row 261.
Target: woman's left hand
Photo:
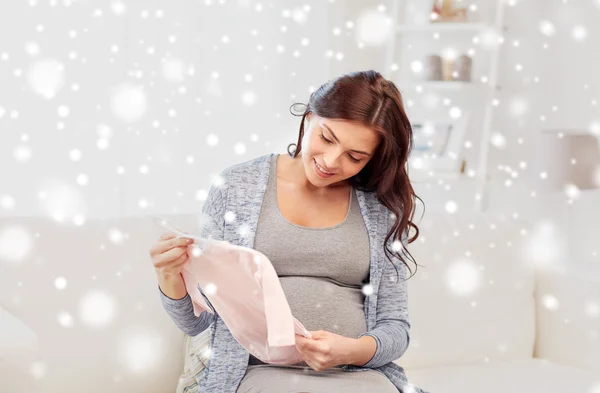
column 324, row 350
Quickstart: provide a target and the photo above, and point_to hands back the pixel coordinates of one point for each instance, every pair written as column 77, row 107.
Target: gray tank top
column 322, row 270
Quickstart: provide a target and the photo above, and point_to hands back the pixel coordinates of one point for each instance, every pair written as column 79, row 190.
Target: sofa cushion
column 197, row 353
column 515, row 376
column 109, row 305
column 19, row 368
column 471, row 299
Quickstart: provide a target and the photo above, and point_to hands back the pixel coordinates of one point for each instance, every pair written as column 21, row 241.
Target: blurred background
column 113, row 111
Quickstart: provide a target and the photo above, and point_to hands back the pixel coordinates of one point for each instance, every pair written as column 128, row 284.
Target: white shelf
column 442, row 26
column 408, row 28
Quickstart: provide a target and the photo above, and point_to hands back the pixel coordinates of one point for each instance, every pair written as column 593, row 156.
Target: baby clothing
column 242, row 286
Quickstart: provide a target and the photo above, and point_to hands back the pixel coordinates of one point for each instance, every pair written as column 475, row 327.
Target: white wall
column 160, row 161
column 168, row 52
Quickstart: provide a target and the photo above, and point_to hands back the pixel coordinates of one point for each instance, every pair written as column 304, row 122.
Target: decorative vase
column 447, row 69
column 462, row 69
column 432, row 68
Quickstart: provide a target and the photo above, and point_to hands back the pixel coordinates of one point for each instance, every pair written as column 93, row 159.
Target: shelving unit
column 450, row 33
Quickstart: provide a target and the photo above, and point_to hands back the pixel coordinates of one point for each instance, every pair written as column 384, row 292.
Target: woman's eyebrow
column 338, row 141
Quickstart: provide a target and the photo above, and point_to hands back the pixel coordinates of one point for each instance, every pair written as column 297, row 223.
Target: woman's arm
column 181, row 310
column 392, row 329
column 362, row 350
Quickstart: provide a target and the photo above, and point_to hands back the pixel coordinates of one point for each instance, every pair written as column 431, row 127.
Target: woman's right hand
column 169, row 254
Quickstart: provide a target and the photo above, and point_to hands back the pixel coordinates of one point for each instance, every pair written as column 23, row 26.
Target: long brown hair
column 367, row 97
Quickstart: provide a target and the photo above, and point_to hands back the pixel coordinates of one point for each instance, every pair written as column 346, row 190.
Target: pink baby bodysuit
column 244, row 289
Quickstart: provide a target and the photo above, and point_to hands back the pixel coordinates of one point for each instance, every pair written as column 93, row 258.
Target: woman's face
column 339, row 147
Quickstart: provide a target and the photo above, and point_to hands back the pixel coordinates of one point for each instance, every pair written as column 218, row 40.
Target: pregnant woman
column 333, row 216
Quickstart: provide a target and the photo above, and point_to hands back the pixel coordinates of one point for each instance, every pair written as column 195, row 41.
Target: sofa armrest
column 568, row 315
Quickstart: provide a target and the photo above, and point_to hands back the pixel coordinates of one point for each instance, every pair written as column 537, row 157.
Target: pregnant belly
column 321, row 304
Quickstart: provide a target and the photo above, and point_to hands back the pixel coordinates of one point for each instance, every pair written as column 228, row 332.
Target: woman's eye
column 330, row 142
column 325, row 139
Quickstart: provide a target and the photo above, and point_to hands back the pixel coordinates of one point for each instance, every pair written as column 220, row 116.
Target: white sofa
column 528, row 327
column 498, row 338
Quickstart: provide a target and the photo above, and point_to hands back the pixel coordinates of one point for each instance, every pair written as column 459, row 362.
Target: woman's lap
column 273, row 379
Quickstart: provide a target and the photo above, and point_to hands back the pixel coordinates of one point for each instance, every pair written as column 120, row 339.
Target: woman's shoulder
column 246, row 170
column 240, row 178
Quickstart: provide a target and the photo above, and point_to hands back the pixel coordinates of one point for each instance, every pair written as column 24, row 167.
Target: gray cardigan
column 386, row 309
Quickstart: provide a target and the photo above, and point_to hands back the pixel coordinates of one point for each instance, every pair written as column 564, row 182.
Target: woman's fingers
column 181, row 260
column 167, row 258
column 165, row 245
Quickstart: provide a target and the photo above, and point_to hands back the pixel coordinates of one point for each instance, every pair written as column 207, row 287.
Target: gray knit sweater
column 386, row 309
